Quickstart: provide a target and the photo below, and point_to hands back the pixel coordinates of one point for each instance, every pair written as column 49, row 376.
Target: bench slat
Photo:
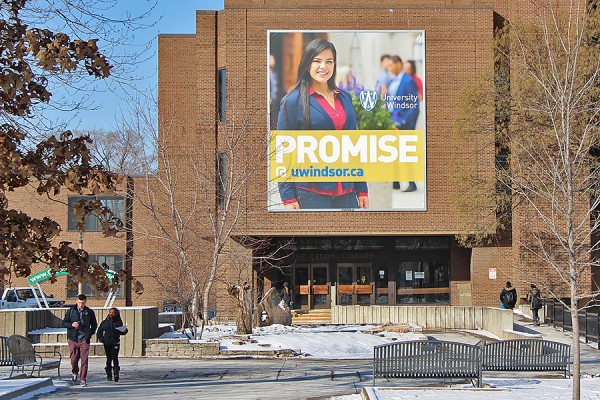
column 526, row 355
column 427, row 359
column 24, row 356
column 5, row 357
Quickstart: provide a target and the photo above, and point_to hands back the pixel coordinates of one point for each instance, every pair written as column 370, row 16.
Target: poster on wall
column 346, row 118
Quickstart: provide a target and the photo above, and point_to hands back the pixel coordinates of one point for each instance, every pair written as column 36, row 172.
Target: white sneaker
column 83, row 382
column 74, row 378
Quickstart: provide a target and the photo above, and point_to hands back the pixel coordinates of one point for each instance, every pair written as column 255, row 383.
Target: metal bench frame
column 5, row 357
column 428, row 359
column 24, row 356
column 527, row 355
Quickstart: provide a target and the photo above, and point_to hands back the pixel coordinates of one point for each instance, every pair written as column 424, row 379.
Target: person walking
column 508, row 296
column 286, row 295
column 81, row 324
column 109, row 334
column 534, row 298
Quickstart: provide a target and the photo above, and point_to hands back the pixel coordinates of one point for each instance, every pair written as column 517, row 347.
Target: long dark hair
column 304, row 79
column 117, row 318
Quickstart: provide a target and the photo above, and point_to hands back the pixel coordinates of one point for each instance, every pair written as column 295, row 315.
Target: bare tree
column 197, row 197
column 118, row 149
column 546, row 110
column 109, row 26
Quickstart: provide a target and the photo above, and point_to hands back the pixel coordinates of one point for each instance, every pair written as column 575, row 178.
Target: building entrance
column 354, row 283
column 367, row 271
column 312, row 288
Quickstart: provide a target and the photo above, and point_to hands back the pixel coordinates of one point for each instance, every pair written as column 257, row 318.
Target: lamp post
column 80, row 284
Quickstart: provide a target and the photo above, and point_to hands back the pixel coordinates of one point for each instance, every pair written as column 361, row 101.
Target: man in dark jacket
column 508, row 296
column 81, row 324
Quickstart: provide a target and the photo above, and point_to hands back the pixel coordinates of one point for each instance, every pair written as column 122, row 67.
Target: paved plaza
column 261, row 378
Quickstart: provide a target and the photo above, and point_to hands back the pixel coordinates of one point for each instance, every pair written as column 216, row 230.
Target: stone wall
column 142, row 324
column 179, row 348
column 494, row 320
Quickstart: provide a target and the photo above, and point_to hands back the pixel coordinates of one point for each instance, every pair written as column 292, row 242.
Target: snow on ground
column 48, row 331
column 481, row 332
column 326, row 341
column 9, row 386
column 502, row 389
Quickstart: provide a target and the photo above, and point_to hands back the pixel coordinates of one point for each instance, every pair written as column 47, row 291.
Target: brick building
column 113, row 251
column 362, row 257
column 216, row 83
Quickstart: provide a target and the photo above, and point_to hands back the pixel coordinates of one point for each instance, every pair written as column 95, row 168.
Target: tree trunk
column 195, row 309
column 576, row 348
column 244, row 325
column 208, row 288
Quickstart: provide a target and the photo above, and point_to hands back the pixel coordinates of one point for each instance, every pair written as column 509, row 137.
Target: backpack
column 509, row 298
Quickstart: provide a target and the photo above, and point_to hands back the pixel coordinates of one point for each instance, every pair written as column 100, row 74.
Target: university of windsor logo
column 368, row 99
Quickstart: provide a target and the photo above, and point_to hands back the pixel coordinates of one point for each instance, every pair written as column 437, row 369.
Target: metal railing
column 559, row 317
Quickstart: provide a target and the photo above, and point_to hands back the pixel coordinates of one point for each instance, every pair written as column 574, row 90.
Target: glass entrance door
column 301, row 286
column 311, row 286
column 320, row 286
column 355, row 283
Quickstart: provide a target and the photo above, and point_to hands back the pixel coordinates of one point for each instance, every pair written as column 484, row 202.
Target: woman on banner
column 316, row 103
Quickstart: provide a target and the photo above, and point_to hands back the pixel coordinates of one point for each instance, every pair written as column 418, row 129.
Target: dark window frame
column 91, row 221
column 221, row 176
column 88, row 288
column 222, row 93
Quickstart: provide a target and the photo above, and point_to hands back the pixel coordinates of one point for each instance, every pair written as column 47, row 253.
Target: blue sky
column 172, row 16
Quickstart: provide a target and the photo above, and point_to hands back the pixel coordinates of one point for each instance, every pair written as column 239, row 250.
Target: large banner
column 346, row 115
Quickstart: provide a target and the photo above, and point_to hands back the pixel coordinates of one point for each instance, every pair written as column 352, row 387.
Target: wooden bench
column 428, row 359
column 24, row 356
column 527, row 355
column 5, row 357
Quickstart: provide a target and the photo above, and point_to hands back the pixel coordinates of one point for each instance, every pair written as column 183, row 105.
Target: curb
column 370, row 392
column 43, row 382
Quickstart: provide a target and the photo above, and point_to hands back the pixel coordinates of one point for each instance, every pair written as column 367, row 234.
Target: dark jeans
column 112, row 354
column 79, row 351
column 310, row 200
column 536, row 316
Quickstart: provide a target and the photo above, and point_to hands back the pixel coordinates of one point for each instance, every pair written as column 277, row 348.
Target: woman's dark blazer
column 291, row 118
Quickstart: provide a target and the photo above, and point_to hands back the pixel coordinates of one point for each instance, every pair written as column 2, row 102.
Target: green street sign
column 43, row 276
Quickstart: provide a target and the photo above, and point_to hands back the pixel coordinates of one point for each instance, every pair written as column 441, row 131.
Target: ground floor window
column 422, row 282
column 366, row 271
column 114, row 262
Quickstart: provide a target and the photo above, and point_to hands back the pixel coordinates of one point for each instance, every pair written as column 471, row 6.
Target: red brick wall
column 28, row 201
column 456, row 54
column 458, row 50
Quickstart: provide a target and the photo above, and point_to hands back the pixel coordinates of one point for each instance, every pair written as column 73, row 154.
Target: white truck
column 27, row 297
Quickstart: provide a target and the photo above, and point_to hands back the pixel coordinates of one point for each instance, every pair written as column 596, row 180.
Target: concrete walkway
column 223, row 379
column 251, row 378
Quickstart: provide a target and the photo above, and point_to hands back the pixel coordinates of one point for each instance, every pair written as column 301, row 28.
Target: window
column 423, row 282
column 423, row 243
column 221, row 92
column 114, row 262
column 11, row 296
column 221, row 177
column 92, row 223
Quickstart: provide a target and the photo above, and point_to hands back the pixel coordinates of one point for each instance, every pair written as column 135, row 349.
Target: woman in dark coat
column 286, row 295
column 110, row 336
